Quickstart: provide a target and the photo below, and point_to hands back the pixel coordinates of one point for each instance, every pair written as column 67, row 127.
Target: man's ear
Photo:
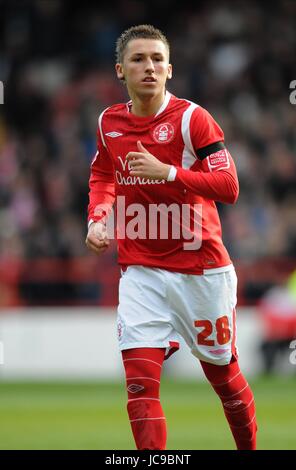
column 119, row 71
column 170, row 71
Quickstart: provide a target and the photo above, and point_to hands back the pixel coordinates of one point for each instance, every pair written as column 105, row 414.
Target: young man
column 164, row 162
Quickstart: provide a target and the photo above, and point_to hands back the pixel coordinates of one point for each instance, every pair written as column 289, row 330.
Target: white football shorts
column 157, row 306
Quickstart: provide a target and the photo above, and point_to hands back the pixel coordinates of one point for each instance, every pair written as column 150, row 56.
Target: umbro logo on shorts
column 134, row 388
column 113, row 134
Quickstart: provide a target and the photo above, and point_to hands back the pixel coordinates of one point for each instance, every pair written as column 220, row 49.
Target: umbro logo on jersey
column 113, row 134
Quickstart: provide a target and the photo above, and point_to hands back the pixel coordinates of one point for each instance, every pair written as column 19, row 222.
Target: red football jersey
column 174, row 224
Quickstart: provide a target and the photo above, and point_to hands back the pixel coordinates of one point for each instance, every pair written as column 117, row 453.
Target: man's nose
column 149, row 65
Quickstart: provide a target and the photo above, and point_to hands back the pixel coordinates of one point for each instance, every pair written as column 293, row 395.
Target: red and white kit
column 184, row 135
column 181, row 134
column 166, row 290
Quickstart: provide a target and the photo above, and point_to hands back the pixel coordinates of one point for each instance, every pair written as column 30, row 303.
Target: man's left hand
column 145, row 165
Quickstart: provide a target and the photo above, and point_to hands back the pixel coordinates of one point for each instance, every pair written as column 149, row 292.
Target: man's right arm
column 101, row 198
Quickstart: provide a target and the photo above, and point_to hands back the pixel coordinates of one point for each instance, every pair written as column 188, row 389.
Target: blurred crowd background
column 235, row 58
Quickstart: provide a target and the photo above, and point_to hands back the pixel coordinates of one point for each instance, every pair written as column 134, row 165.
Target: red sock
column 237, row 399
column 143, row 369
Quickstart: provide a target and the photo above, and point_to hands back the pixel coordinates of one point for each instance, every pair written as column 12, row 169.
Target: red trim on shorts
column 174, row 346
column 233, row 347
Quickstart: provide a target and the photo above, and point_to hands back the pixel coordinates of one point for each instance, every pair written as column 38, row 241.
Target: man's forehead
column 146, row 46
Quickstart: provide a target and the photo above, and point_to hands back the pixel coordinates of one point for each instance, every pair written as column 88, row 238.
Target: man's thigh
column 144, row 318
column 204, row 314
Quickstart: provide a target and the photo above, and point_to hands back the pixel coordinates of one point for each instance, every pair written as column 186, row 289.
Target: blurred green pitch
column 93, row 415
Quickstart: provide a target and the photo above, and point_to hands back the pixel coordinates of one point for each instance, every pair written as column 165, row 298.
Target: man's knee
column 143, row 370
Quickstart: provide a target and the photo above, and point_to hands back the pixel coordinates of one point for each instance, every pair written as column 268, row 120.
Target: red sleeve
column 204, row 130
column 216, row 177
column 101, row 183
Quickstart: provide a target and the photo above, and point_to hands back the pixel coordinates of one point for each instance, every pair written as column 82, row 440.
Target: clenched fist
column 97, row 238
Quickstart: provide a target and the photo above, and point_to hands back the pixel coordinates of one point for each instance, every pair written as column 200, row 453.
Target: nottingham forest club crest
column 163, row 133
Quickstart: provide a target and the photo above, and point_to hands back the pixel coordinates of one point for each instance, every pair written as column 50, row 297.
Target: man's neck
column 147, row 106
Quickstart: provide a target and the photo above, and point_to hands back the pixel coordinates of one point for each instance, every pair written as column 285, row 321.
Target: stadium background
column 235, row 58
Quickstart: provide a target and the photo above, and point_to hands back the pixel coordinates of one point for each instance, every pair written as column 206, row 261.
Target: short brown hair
column 143, row 31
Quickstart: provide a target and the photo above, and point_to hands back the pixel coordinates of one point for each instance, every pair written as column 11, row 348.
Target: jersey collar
column 162, row 107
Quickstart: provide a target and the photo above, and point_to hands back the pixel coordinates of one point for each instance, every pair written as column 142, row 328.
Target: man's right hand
column 97, row 238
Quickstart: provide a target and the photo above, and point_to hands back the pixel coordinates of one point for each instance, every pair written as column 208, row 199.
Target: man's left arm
column 217, row 179
column 216, row 176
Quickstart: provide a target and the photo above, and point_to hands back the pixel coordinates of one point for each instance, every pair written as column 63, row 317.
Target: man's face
column 145, row 67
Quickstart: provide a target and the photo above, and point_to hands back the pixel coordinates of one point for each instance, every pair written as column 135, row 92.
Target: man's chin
column 148, row 92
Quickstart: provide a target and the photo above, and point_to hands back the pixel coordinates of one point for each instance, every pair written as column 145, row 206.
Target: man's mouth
column 149, row 80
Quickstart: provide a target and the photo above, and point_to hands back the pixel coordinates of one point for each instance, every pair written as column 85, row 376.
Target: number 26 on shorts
column 222, row 329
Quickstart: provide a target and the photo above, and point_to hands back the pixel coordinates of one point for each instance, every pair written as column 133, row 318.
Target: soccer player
column 163, row 161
